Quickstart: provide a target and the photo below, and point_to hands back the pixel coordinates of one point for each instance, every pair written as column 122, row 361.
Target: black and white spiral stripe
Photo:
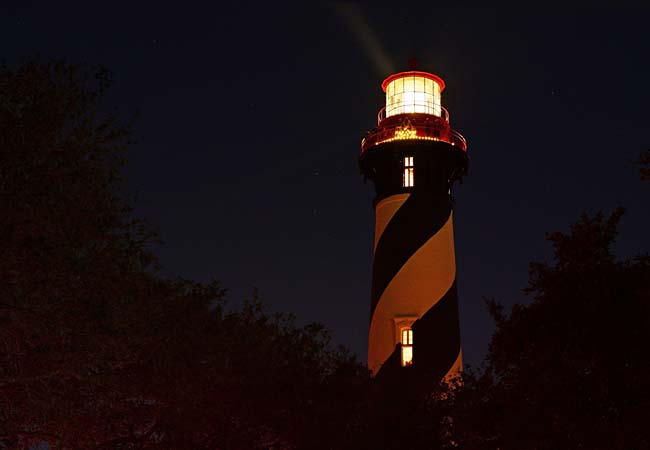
column 414, row 274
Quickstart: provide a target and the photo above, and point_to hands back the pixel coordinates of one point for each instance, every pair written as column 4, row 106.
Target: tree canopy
column 570, row 368
column 97, row 350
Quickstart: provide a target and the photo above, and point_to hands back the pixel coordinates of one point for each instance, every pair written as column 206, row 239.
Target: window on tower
column 407, row 180
column 407, row 347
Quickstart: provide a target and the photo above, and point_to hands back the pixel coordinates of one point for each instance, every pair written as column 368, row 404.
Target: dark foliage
column 571, row 368
column 96, row 349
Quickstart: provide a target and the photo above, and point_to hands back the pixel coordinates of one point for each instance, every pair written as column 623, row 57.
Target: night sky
column 251, row 119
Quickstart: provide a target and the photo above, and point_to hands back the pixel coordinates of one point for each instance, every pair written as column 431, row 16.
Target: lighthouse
column 413, row 156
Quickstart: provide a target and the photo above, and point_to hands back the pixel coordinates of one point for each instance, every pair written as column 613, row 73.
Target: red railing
column 415, row 126
column 423, row 107
column 457, row 139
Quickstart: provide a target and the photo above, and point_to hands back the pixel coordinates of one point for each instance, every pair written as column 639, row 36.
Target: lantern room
column 413, row 92
column 413, row 111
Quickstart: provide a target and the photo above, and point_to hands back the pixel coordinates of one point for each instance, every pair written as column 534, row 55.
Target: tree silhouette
column 97, row 350
column 569, row 369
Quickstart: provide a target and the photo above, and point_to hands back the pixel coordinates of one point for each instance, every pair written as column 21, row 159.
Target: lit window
column 407, row 347
column 407, row 336
column 407, row 179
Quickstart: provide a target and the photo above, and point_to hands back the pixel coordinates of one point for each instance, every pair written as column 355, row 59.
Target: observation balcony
column 414, row 121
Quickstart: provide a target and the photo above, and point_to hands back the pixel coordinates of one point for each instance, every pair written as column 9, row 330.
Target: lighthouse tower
column 414, row 157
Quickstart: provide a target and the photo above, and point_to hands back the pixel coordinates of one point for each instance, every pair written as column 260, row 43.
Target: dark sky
column 251, row 118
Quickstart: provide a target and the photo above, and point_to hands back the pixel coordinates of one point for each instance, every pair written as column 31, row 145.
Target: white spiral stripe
column 419, row 284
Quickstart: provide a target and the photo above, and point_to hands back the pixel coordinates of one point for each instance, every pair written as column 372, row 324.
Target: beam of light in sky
column 367, row 39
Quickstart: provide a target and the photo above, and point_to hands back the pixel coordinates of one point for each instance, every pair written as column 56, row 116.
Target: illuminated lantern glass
column 413, row 94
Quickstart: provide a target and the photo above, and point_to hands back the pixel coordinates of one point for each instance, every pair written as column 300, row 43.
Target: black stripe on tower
column 419, row 218
column 422, row 215
column 437, row 343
